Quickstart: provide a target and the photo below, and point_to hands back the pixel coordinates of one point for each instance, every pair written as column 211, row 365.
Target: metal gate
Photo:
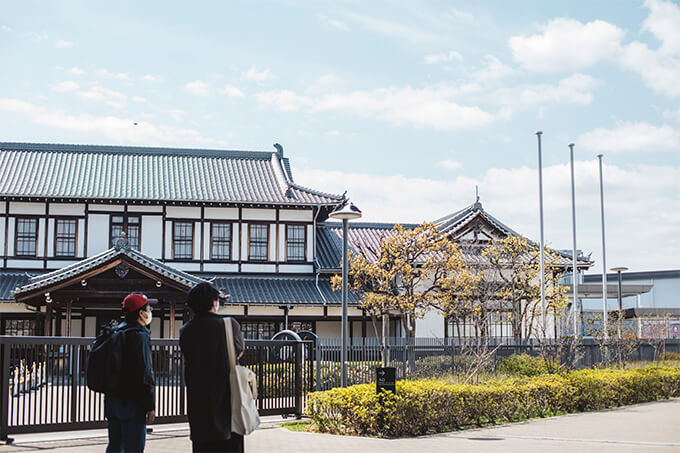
column 43, row 382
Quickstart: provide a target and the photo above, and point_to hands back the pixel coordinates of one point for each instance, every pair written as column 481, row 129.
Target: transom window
column 26, row 237
column 65, row 237
column 130, row 225
column 220, row 241
column 259, row 242
column 183, row 240
column 295, row 242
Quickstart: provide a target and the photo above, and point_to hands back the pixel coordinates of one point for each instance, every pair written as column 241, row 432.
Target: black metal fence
column 44, row 385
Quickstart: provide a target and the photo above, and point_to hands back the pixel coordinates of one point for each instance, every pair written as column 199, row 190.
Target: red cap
column 134, row 302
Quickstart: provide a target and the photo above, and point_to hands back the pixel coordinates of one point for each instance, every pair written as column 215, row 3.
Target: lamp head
column 619, row 269
column 346, row 211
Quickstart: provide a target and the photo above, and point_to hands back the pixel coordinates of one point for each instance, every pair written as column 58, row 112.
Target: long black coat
column 206, row 369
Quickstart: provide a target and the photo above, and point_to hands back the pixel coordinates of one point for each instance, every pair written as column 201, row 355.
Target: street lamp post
column 345, row 212
column 618, row 270
column 604, row 256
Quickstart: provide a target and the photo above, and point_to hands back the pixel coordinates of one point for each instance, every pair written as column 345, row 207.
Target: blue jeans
column 126, row 422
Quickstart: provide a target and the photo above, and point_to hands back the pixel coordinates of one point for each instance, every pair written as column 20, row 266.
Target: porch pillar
column 48, row 320
column 69, row 317
column 172, row 319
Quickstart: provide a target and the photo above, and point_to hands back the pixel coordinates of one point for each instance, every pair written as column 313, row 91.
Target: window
column 259, row 330
column 258, row 242
column 130, row 225
column 295, row 242
column 26, row 237
column 220, row 241
column 183, row 240
column 65, row 237
column 20, row 327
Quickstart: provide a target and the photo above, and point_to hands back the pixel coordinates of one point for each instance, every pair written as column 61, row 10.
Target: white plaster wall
column 90, row 326
column 16, row 207
column 220, row 267
column 258, row 214
column 337, row 311
column 137, row 208
column 272, row 242
column 54, row 264
column 97, row 234
column 326, row 329
column 221, row 213
column 10, row 237
column 206, row 242
column 259, row 310
column 42, row 230
column 296, row 215
column 244, row 242
column 11, row 307
column 80, row 240
column 50, row 237
column 106, row 207
column 156, row 328
column 2, row 236
column 307, row 310
column 197, row 240
column 282, row 243
column 246, row 267
column 183, row 212
column 296, row 268
column 2, row 208
column 168, row 240
column 431, row 325
column 235, row 241
column 310, row 242
column 231, row 310
column 187, row 267
column 28, row 264
column 152, row 235
column 67, row 209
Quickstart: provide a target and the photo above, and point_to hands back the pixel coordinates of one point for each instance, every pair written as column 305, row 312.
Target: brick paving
column 641, row 428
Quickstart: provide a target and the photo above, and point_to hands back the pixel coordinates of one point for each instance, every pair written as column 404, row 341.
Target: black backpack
column 105, row 360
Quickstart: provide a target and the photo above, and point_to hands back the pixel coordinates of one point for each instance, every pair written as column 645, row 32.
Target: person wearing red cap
column 129, row 409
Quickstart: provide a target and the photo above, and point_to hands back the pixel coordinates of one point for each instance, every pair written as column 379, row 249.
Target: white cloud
column 62, row 44
column 67, row 85
column 139, row 99
column 116, row 129
column 467, row 17
column 76, row 71
column 119, row 75
column 231, row 91
column 199, row 88
column 100, row 94
column 424, row 107
column 404, row 31
column 6, row 28
column 575, row 89
column 335, row 23
column 149, row 78
column 628, row 136
column 176, row 114
column 450, row 164
column 643, row 199
column 258, row 76
column 567, row 45
column 443, row 57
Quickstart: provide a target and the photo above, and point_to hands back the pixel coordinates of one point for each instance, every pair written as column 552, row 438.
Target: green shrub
column 429, row 406
column 525, row 365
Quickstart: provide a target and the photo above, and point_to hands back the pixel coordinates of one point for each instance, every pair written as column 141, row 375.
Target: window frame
column 230, row 240
column 36, row 219
column 126, row 218
column 75, row 236
column 193, row 238
column 267, row 229
column 304, row 242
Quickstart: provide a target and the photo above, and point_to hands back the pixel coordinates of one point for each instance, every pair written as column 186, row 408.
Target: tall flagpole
column 540, row 203
column 576, row 306
column 604, row 255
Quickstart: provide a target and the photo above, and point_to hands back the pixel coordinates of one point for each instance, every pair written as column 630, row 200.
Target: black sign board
column 386, row 379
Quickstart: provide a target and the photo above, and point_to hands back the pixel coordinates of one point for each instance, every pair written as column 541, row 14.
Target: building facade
column 81, row 226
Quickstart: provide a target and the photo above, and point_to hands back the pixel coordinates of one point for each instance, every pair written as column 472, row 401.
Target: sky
column 406, row 105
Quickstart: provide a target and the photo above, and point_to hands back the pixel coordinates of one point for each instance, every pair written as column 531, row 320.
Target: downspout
column 317, row 266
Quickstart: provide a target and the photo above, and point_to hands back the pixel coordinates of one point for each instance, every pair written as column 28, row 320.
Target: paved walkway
column 647, row 427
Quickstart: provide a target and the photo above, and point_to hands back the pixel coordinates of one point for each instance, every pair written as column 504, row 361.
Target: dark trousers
column 126, row 422
column 233, row 445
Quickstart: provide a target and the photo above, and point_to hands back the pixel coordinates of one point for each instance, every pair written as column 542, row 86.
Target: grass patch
column 298, row 425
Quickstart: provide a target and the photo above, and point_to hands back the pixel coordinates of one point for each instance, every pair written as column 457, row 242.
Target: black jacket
column 206, row 370
column 137, row 379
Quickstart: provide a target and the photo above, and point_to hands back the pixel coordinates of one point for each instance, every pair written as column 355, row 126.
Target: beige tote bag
column 243, row 383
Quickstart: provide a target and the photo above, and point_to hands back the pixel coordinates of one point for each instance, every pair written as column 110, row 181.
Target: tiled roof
column 9, row 281
column 278, row 289
column 454, row 223
column 68, row 272
column 31, row 170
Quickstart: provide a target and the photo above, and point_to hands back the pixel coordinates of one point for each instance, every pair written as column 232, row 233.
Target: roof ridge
column 359, row 224
column 128, row 149
column 314, row 191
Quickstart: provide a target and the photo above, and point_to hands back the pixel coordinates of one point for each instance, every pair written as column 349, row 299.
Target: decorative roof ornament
column 279, row 149
column 121, row 242
column 121, row 270
column 477, row 205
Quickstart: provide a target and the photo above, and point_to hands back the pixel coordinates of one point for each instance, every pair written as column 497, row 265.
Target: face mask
column 146, row 317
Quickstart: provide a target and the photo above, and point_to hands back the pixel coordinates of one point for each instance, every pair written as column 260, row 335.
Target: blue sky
column 406, row 105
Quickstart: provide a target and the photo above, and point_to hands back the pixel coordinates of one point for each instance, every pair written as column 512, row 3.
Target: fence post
column 5, row 396
column 298, row 380
column 317, row 353
column 404, row 358
column 75, row 376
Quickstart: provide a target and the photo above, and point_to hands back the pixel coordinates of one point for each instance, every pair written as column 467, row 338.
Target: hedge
column 429, row 406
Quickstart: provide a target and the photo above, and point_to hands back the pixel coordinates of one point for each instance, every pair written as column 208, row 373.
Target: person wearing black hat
column 206, row 370
column 132, row 407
